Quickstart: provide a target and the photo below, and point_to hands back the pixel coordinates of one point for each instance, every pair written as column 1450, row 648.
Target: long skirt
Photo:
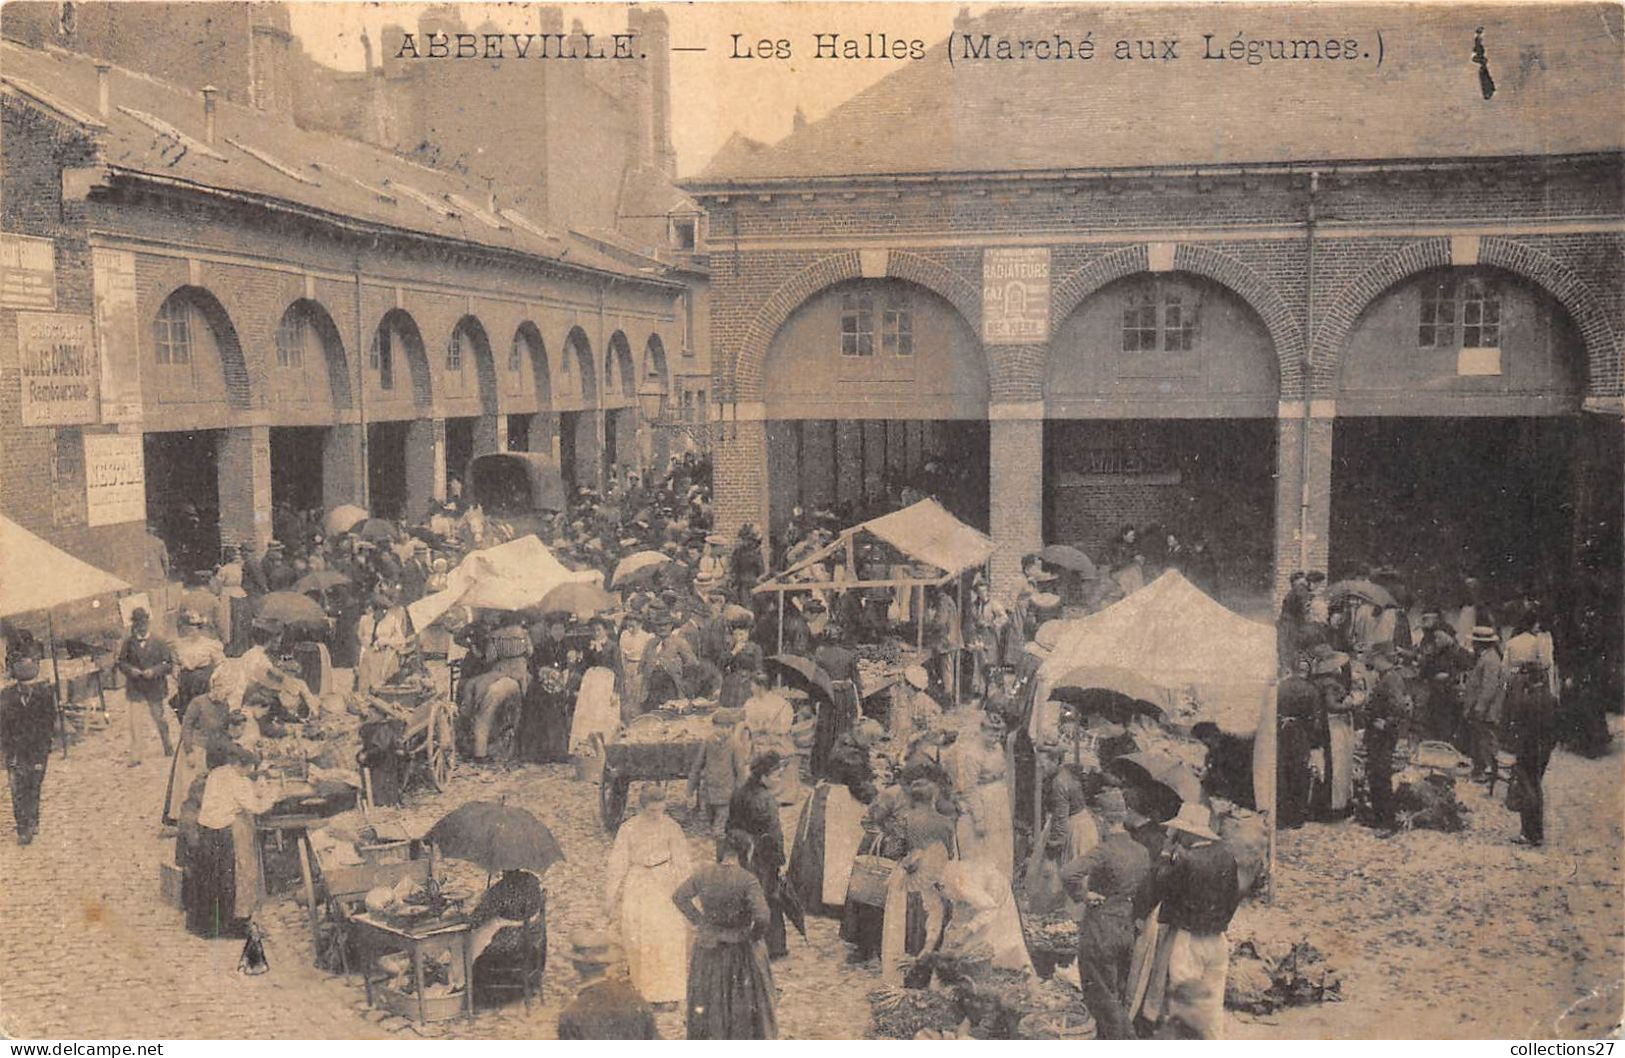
column 1342, row 761
column 915, row 917
column 730, row 993
column 654, row 934
column 544, row 728
column 598, row 709
column 827, row 837
column 209, row 888
column 997, row 843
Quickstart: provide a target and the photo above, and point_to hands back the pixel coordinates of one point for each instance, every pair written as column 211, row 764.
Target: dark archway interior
column 183, row 496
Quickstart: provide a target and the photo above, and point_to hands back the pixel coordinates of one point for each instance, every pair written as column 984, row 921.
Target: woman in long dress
column 730, row 984
column 981, row 777
column 984, row 922
column 221, row 889
column 647, row 864
column 830, row 831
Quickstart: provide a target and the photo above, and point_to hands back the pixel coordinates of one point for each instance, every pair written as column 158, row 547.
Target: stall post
column 56, row 678
column 959, row 655
column 919, row 620
column 781, row 620
column 1265, row 792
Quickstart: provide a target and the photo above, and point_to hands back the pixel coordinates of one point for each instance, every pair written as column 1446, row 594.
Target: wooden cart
column 628, row 762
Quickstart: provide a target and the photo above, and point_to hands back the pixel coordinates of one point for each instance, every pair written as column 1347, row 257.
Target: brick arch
column 233, row 364
column 963, row 294
column 1229, row 272
column 320, row 320
column 485, row 369
column 1564, row 285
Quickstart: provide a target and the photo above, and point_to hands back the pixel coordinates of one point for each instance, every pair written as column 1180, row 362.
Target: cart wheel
column 612, row 794
column 440, row 747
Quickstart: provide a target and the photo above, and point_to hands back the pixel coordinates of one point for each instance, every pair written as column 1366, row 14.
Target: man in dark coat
column 1195, row 883
column 1297, row 709
column 27, row 718
column 146, row 661
column 280, row 574
column 605, row 1008
column 1531, row 716
column 754, row 810
column 1384, row 709
column 746, row 564
column 1294, row 614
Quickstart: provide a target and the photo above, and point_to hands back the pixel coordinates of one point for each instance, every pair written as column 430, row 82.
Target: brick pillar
column 740, row 487
column 490, row 434
column 589, row 457
column 245, row 486
column 344, row 475
column 425, row 465
column 1016, row 486
column 544, row 434
column 1302, row 518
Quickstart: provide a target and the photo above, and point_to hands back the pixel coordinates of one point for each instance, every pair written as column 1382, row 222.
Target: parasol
column 319, row 580
column 343, row 518
column 497, row 837
column 1365, row 589
column 639, row 568
column 291, row 609
column 1118, row 694
column 812, row 674
column 577, row 599
column 377, row 530
column 198, row 601
column 1163, row 780
column 1069, row 558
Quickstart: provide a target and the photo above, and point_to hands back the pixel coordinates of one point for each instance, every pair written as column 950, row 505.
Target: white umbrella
column 343, row 518
column 636, row 568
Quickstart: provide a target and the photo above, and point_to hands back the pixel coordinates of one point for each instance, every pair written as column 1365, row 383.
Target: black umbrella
column 1116, row 694
column 1069, row 558
column 498, row 837
column 810, row 675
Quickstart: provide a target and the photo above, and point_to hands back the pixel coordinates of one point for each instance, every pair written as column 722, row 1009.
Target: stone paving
column 1444, row 935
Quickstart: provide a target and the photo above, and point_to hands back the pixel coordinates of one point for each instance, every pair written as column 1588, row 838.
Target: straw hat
column 1485, row 634
column 1193, row 819
column 917, row 677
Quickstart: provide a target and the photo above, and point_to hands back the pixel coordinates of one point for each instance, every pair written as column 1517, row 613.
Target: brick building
column 208, row 309
column 1324, row 314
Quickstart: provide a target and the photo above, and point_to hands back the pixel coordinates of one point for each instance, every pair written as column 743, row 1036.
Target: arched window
column 381, row 357
column 172, row 331
column 292, row 339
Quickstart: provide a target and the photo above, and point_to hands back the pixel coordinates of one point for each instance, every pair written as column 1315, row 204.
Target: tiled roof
column 1557, row 69
column 156, row 129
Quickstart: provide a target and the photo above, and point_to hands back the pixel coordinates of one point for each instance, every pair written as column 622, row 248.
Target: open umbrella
column 1365, row 589
column 376, row 529
column 1162, row 780
column 1117, row 694
column 577, row 599
column 1068, row 557
column 810, row 675
column 638, row 569
column 292, row 610
column 319, row 580
column 497, row 837
column 343, row 518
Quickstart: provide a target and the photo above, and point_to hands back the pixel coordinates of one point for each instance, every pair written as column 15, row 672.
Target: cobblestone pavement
column 1436, row 935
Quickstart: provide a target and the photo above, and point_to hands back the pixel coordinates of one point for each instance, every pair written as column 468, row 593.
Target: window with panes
column 1159, row 317
column 172, row 332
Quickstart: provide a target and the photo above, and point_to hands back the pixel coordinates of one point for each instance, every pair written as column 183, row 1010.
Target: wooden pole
column 919, row 621
column 781, row 621
column 56, row 678
column 958, row 655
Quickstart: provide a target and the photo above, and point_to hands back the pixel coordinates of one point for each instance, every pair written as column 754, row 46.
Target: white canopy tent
column 510, row 576
column 34, row 575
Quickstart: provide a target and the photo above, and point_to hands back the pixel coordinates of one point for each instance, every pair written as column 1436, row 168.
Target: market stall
column 1197, row 659
column 512, row 576
column 923, row 546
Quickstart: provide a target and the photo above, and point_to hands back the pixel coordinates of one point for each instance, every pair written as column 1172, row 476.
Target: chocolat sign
column 57, row 358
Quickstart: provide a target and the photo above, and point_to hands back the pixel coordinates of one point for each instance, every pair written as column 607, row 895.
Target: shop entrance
column 183, row 496
column 519, row 433
column 386, row 468
column 569, row 423
column 1440, row 499
column 459, row 449
column 1206, row 481
column 296, row 467
column 860, row 468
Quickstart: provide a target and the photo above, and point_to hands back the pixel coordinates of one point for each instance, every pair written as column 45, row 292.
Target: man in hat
column 1440, row 664
column 606, row 1007
column 146, row 661
column 1484, row 699
column 797, row 637
column 1384, row 709
column 1196, row 884
column 719, row 767
column 746, row 563
column 27, row 720
column 1297, row 709
column 280, row 574
column 1294, row 615
column 912, row 707
column 415, row 573
column 665, row 663
column 1109, row 884
column 1531, row 723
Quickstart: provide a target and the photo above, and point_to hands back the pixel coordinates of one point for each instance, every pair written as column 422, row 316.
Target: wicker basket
column 1056, row 1025
column 870, row 876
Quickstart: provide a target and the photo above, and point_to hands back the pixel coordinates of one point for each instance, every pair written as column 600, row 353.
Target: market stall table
column 296, row 815
column 376, row 934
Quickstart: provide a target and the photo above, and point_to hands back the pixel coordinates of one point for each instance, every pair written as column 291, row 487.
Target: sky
column 713, row 94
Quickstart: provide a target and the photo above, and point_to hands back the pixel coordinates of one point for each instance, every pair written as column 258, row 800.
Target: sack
column 870, row 876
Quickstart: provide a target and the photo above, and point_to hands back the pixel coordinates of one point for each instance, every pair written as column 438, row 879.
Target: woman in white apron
column 598, row 709
column 985, row 923
column 981, row 778
column 649, row 861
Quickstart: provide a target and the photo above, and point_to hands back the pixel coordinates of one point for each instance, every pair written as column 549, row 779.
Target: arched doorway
column 528, row 392
column 577, row 397
column 874, row 388
column 654, row 403
column 309, row 384
column 1459, row 449
column 1161, row 396
column 399, row 397
column 469, row 394
column 620, row 444
column 192, row 379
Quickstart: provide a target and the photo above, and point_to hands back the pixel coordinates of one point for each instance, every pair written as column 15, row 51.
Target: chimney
column 104, row 89
column 656, row 44
column 208, row 112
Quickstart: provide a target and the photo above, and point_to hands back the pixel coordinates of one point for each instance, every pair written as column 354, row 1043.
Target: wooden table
column 280, row 823
column 374, row 932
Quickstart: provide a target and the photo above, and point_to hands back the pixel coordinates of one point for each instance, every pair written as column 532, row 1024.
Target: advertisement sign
column 27, row 272
column 113, row 276
column 57, row 362
column 115, row 479
column 1015, row 296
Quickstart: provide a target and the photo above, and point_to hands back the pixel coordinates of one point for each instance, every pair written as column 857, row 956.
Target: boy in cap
column 718, row 768
column 27, row 718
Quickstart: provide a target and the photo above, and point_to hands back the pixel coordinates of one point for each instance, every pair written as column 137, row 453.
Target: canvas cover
column 927, row 533
column 510, row 576
column 37, row 576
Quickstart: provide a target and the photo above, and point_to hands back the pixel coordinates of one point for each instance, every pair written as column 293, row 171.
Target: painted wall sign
column 1015, row 296
column 57, row 361
column 115, row 479
column 27, row 272
column 117, row 335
